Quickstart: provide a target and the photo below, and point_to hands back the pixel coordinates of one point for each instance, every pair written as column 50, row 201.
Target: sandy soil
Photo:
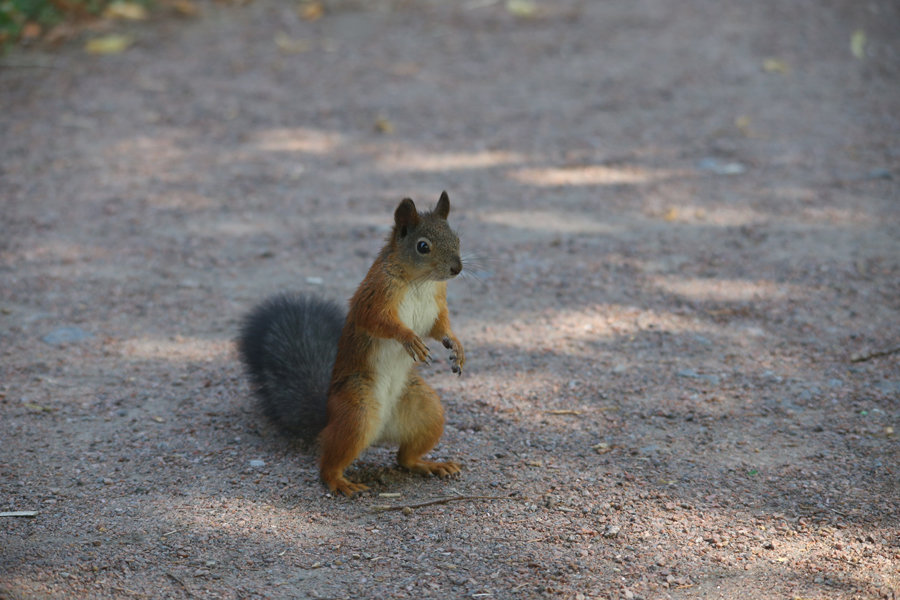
column 685, row 217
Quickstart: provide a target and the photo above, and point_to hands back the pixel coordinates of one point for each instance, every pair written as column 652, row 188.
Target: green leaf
column 858, row 44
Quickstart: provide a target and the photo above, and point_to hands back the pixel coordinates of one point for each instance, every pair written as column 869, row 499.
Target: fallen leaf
column 743, row 124
column 289, row 45
column 601, row 448
column 858, row 44
column 382, row 125
column 311, row 11
column 405, row 69
column 108, row 44
column 671, row 215
column 59, row 33
column 130, row 11
column 185, row 8
column 775, row 65
column 31, row 30
column 521, row 8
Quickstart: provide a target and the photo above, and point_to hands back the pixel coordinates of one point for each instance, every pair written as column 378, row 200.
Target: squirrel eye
column 422, row 247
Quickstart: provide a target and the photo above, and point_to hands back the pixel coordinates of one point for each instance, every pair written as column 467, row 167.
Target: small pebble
column 719, row 167
column 66, row 335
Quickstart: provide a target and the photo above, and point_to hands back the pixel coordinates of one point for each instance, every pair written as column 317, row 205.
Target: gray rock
column 67, row 335
column 719, row 167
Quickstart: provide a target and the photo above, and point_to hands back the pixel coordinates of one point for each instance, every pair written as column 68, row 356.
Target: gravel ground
column 683, row 218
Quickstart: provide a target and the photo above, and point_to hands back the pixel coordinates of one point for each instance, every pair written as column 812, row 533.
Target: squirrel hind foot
column 441, row 469
column 345, row 486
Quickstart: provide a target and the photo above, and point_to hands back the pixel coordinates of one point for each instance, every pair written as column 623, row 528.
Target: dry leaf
column 31, row 30
column 59, row 33
column 404, row 69
column 311, row 11
column 382, row 125
column 185, row 8
column 601, row 448
column 858, row 44
column 521, row 8
column 775, row 65
column 290, row 45
column 743, row 124
column 108, row 44
column 130, row 11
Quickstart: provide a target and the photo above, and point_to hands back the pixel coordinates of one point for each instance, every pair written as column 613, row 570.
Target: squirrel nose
column 456, row 267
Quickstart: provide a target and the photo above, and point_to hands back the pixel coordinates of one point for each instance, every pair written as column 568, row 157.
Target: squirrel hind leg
column 333, row 465
column 420, row 419
column 342, row 440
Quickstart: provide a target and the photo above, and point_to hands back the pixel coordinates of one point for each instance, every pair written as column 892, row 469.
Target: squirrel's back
column 288, row 345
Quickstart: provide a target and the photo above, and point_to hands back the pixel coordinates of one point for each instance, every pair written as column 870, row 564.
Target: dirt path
column 686, row 215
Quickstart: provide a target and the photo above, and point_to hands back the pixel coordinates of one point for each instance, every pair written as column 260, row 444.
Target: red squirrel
column 290, row 345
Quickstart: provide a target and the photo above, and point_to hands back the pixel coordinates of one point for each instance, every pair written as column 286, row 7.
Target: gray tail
column 288, row 345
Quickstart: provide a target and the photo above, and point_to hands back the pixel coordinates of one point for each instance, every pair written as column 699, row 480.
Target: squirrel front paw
column 457, row 354
column 417, row 349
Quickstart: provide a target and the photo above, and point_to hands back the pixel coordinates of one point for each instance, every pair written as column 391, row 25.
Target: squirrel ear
column 443, row 206
column 406, row 216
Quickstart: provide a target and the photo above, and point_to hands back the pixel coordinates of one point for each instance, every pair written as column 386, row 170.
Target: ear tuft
column 406, row 216
column 443, row 206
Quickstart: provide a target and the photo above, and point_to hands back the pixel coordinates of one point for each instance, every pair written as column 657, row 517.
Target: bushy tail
column 288, row 345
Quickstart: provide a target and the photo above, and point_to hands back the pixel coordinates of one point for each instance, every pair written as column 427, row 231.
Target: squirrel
column 351, row 380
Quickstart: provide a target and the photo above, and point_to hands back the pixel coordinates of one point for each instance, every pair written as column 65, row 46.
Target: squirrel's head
column 424, row 241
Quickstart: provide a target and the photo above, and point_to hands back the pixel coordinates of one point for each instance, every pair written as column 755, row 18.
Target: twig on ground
column 180, row 582
column 19, row 513
column 876, row 354
column 563, row 412
column 18, row 66
column 122, row 590
column 447, row 500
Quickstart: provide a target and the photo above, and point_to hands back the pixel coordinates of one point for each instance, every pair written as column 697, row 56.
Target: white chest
column 391, row 362
column 418, row 310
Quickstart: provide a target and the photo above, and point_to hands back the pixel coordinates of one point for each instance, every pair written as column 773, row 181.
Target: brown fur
column 418, row 417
